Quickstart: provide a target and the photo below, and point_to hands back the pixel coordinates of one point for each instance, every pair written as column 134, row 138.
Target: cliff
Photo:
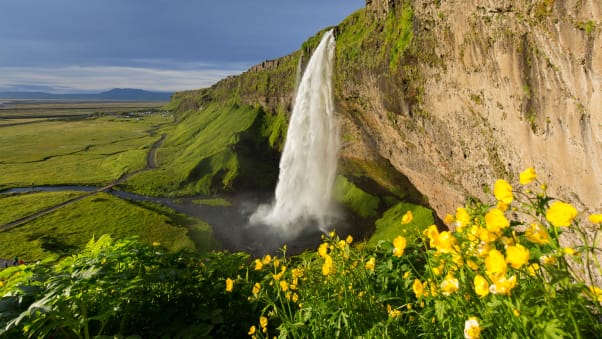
column 437, row 99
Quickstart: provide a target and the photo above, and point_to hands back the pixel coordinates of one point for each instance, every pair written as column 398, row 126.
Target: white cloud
column 99, row 78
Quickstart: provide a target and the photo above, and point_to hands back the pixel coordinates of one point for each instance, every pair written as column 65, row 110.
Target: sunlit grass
column 71, row 227
column 13, row 207
column 89, row 151
column 212, row 202
column 200, row 154
column 389, row 225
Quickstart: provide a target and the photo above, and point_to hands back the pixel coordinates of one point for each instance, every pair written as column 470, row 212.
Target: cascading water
column 309, row 159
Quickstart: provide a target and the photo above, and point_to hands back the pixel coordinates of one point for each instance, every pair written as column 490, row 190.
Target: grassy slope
column 204, row 153
column 72, row 226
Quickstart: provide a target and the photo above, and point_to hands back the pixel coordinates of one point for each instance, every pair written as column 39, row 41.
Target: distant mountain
column 121, row 94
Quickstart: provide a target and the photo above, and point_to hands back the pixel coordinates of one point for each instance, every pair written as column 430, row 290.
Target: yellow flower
column 399, row 244
column 502, row 206
column 295, row 297
column 258, row 265
column 462, row 217
column 418, row 288
column 472, row 329
column 517, row 256
column 449, row 285
column 263, row 322
column 393, row 313
column 486, row 236
column 472, row 265
column 495, row 264
column 596, row 293
column 568, row 251
column 332, row 234
column 284, row 285
column 595, row 218
column 276, row 262
column 503, row 191
column 370, row 264
column 297, row 273
column 407, row 218
column 527, row 176
column 327, row 267
column 507, row 241
column 432, row 233
column 229, row 285
column 496, row 221
column 537, row 234
column 533, row 269
column 406, row 275
column 256, row 288
column 323, row 249
column 342, row 244
column 561, row 214
column 448, row 219
column 503, row 286
column 445, row 242
column 481, row 286
column 349, row 239
column 156, row 244
column 547, row 260
column 266, row 259
column 483, row 249
column 252, row 330
column 439, row 269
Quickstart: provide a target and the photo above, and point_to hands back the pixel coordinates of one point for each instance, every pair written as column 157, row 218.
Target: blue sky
column 92, row 45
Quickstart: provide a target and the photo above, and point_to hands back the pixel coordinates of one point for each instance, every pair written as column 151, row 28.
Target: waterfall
column 309, row 159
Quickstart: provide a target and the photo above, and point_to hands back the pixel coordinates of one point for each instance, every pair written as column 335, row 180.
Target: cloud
column 99, row 78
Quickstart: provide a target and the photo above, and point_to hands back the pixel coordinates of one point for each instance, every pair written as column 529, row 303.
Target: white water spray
column 309, row 159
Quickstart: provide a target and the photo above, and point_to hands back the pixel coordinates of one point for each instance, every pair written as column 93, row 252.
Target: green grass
column 34, row 108
column 88, row 151
column 212, row 202
column 389, row 226
column 361, row 203
column 71, row 227
column 13, row 207
column 201, row 154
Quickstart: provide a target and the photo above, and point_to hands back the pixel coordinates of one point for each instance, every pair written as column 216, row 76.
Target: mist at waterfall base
column 308, row 164
column 302, row 207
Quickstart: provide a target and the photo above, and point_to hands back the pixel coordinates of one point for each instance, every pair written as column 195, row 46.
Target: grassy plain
column 13, row 207
column 47, row 108
column 71, row 227
column 114, row 139
column 83, row 151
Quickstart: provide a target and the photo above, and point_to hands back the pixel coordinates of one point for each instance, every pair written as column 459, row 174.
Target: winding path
column 150, row 164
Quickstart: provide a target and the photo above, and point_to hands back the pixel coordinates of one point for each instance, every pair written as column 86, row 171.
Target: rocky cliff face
column 451, row 95
column 513, row 84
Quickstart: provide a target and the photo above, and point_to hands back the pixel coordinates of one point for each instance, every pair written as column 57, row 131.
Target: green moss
column 361, row 203
column 389, row 226
column 399, row 30
column 587, row 26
